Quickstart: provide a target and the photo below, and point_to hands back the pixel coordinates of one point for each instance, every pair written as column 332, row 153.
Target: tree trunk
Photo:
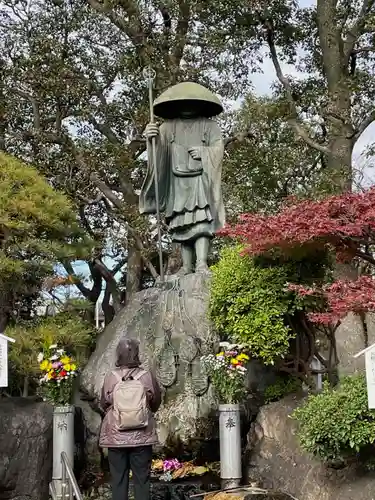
column 340, row 139
column 174, row 259
column 338, row 110
column 4, row 319
column 5, row 311
column 108, row 309
column 134, row 272
column 25, row 391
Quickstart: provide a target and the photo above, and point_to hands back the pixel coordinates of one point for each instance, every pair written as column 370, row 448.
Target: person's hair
column 127, row 353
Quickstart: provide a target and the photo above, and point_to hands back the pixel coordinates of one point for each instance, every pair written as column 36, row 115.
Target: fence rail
column 69, row 486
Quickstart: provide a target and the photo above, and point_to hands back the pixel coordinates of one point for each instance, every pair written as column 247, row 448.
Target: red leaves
column 342, row 222
column 345, row 223
column 342, row 297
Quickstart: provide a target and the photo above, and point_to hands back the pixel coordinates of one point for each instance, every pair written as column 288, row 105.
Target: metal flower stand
column 230, row 445
column 63, row 442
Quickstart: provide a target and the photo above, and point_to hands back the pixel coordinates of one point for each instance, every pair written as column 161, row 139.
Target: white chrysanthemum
column 53, row 346
column 40, row 357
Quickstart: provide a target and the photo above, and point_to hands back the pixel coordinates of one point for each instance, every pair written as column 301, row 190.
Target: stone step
column 183, row 491
column 160, row 490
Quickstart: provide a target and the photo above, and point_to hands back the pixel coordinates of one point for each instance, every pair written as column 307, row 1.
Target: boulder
column 277, row 461
column 25, row 449
column 171, row 323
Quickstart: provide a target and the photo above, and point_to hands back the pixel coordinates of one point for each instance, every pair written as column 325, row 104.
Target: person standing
column 130, row 397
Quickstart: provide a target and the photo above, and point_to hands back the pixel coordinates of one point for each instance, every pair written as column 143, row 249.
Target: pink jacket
column 110, row 437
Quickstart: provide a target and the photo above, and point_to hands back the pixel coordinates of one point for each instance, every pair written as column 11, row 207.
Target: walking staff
column 150, row 74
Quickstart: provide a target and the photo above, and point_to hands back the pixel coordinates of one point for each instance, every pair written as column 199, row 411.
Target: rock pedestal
column 171, row 323
column 25, row 449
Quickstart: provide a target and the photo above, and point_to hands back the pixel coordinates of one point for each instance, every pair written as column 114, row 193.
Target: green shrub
column 66, row 329
column 249, row 304
column 337, row 423
column 283, row 386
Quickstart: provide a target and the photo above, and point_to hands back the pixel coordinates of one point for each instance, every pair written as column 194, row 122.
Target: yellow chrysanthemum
column 49, row 376
column 243, row 357
column 65, row 360
column 220, row 354
column 67, row 367
column 73, row 367
column 44, row 365
column 234, row 361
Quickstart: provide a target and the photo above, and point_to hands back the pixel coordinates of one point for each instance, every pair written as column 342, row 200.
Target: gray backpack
column 130, row 405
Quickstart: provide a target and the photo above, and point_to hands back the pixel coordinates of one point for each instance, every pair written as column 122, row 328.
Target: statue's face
column 188, row 112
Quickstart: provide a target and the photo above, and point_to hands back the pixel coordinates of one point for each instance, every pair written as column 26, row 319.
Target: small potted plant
column 227, row 371
column 56, row 387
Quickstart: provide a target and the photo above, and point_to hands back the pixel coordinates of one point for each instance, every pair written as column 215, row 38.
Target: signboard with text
column 370, row 377
column 369, row 354
column 4, row 359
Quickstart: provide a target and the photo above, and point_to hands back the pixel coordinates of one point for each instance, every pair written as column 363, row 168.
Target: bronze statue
column 189, row 154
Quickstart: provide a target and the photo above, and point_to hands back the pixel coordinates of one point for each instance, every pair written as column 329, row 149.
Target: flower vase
column 63, row 440
column 230, row 445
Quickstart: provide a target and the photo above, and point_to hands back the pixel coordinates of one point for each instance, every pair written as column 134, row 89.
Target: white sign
column 4, row 359
column 318, row 366
column 369, row 354
column 370, row 377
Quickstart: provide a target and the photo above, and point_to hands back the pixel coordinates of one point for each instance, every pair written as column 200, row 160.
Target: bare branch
column 118, row 204
column 106, row 130
column 107, row 191
column 294, row 121
column 86, row 292
column 118, row 267
column 181, row 32
column 85, row 222
column 111, row 283
column 240, row 137
column 362, row 50
column 132, row 28
column 33, row 101
column 364, row 124
column 356, row 30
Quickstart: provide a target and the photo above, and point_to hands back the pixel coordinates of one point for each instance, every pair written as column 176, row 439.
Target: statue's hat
column 169, row 103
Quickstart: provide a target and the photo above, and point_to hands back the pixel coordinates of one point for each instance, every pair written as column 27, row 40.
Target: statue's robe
column 189, row 190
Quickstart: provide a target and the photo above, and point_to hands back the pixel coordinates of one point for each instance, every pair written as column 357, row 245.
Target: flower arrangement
column 227, row 372
column 59, row 370
column 172, row 469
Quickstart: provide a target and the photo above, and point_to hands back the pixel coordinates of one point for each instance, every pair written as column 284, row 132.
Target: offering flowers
column 172, row 469
column 227, row 372
column 59, row 370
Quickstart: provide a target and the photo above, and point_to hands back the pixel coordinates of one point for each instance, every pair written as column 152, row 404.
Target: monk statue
column 189, row 155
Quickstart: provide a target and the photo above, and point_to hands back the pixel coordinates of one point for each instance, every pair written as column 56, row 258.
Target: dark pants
column 138, row 460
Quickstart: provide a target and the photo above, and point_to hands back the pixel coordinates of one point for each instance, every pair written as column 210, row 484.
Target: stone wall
column 25, row 449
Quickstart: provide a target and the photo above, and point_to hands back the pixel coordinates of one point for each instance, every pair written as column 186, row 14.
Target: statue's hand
column 195, row 153
column 151, row 131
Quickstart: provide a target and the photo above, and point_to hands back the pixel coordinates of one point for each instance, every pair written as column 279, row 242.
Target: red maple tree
column 343, row 224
